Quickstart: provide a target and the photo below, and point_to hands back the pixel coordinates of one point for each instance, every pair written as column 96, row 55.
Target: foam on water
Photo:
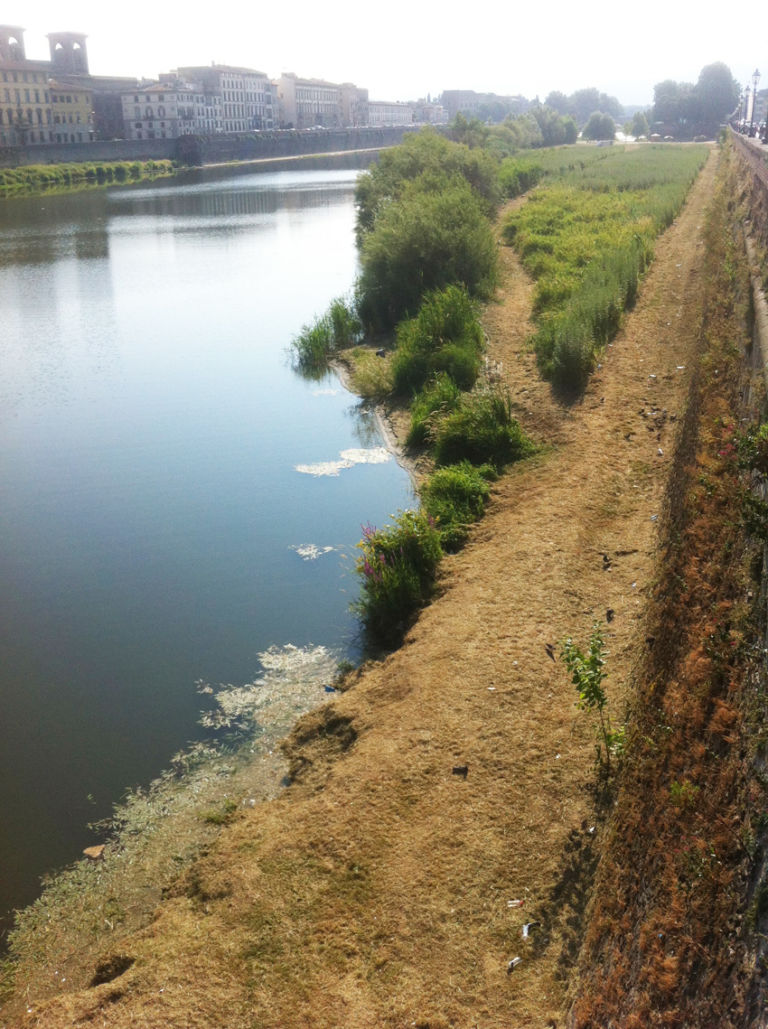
column 346, row 459
column 310, row 551
column 292, row 681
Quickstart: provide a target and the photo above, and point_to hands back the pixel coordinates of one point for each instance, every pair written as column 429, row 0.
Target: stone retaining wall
column 206, row 150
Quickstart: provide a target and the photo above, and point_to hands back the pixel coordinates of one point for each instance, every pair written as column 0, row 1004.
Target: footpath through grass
column 586, row 237
column 679, row 914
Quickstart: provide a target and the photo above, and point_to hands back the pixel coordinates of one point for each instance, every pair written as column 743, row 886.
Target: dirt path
column 375, row 891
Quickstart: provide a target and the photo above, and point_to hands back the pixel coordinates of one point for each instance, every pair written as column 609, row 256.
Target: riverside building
column 57, row 100
column 247, row 97
column 164, row 110
column 26, row 113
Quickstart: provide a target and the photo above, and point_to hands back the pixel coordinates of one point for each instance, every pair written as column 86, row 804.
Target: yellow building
column 72, row 108
column 26, row 114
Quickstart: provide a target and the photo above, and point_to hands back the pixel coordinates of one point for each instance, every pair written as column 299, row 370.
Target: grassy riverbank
column 33, row 179
column 376, row 890
column 449, row 797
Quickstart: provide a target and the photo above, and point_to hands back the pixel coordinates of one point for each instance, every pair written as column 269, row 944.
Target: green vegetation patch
column 397, row 565
column 437, row 234
column 335, row 330
column 586, row 238
column 481, row 430
column 41, row 178
column 436, row 398
column 455, row 497
column 445, row 336
column 429, row 154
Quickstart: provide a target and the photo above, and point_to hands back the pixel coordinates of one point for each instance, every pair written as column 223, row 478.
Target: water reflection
column 39, row 230
column 152, row 523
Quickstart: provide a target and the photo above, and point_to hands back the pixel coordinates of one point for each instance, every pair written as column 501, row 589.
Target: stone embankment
column 206, row 149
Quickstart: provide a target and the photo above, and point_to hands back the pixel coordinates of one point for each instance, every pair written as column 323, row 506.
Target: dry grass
column 374, row 892
column 667, row 944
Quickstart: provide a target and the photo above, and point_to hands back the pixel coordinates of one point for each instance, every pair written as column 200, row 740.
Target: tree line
column 681, row 109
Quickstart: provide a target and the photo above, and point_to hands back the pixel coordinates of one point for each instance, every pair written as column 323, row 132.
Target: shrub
column 435, row 235
column 420, row 153
column 455, row 496
column 444, row 336
column 481, row 430
column 439, row 396
column 397, row 566
column 517, row 176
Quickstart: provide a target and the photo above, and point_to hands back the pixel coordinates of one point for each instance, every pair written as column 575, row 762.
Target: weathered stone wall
column 205, row 150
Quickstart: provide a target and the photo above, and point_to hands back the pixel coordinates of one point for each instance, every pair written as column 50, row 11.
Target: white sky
column 404, row 50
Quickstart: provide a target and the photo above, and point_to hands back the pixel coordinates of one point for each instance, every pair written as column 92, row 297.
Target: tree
column 471, row 132
column 639, row 124
column 718, row 95
column 686, row 109
column 676, row 107
column 551, row 125
column 516, row 133
column 610, row 105
column 558, row 102
column 571, row 130
column 599, row 126
column 583, row 103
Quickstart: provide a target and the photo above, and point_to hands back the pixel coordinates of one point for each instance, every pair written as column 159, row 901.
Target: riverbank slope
column 447, row 797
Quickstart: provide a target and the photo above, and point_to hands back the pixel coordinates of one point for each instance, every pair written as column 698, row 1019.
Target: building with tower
column 56, row 101
column 26, row 113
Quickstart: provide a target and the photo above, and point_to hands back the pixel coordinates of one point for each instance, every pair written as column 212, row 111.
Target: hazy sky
column 404, row 50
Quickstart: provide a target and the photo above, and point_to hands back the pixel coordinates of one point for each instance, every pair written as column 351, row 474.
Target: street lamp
column 755, row 80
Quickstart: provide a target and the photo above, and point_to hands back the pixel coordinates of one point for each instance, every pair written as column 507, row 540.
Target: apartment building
column 247, row 96
column 354, row 105
column 26, row 114
column 383, row 113
column 169, row 109
column 309, row 103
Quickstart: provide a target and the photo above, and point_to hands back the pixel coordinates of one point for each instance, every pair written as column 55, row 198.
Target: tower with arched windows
column 69, row 55
column 11, row 44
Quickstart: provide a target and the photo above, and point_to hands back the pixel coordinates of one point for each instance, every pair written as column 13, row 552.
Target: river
column 175, row 498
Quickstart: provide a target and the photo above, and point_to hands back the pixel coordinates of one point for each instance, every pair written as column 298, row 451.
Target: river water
column 174, row 498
